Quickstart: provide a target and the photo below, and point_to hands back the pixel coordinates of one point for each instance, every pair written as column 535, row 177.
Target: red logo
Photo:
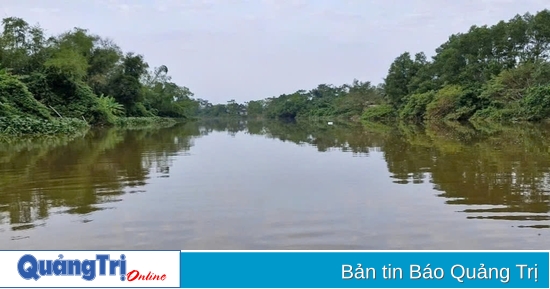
column 134, row 275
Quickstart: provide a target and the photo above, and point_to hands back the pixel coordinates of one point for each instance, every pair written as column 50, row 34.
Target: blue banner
column 358, row 269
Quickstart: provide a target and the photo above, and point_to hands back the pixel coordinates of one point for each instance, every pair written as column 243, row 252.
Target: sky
column 254, row 49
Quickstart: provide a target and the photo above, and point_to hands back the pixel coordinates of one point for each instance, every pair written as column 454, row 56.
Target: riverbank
column 27, row 126
column 144, row 122
column 19, row 126
column 484, row 117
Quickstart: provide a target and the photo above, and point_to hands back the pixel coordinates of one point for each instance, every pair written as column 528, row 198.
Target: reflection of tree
column 346, row 137
column 232, row 126
column 500, row 172
column 82, row 175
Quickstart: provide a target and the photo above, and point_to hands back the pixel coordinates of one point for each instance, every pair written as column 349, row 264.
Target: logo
column 31, row 268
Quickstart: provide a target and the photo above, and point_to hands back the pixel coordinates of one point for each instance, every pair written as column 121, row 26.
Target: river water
column 275, row 185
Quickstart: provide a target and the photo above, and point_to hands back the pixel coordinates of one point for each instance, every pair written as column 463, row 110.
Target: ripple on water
column 280, row 186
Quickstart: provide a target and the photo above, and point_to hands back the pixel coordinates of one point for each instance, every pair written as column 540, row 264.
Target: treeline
column 62, row 82
column 345, row 101
column 498, row 72
column 79, row 76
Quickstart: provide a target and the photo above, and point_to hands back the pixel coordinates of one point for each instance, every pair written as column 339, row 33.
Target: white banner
column 90, row 269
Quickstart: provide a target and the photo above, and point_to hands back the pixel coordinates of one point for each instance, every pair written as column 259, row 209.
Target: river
column 277, row 185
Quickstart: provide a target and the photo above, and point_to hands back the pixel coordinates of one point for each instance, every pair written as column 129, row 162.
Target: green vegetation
column 326, row 101
column 60, row 84
column 496, row 73
column 491, row 73
column 144, row 122
column 106, row 164
column 29, row 125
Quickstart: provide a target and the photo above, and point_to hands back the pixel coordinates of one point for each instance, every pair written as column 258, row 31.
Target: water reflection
column 40, row 177
column 486, row 172
column 499, row 172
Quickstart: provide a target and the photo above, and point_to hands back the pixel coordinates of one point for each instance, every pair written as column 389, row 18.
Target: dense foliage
column 347, row 101
column 499, row 72
column 79, row 75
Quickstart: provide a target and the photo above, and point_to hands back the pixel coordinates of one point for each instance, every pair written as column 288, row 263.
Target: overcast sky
column 244, row 50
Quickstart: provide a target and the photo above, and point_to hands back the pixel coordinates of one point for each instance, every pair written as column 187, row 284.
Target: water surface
column 275, row 185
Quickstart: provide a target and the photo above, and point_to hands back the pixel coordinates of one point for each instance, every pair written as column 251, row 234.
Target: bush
column 536, row 104
column 16, row 100
column 79, row 105
column 139, row 110
column 415, row 106
column 34, row 126
column 451, row 103
column 444, row 103
column 496, row 114
column 106, row 111
column 379, row 112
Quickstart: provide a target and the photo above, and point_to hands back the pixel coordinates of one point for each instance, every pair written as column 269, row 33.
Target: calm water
column 237, row 185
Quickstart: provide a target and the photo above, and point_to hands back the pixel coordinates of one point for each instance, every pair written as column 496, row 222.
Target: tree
column 398, row 79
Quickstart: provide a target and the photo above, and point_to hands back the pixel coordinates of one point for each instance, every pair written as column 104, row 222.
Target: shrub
column 444, row 103
column 536, row 104
column 415, row 106
column 379, row 112
column 33, row 126
column 106, row 111
column 496, row 114
column 16, row 100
